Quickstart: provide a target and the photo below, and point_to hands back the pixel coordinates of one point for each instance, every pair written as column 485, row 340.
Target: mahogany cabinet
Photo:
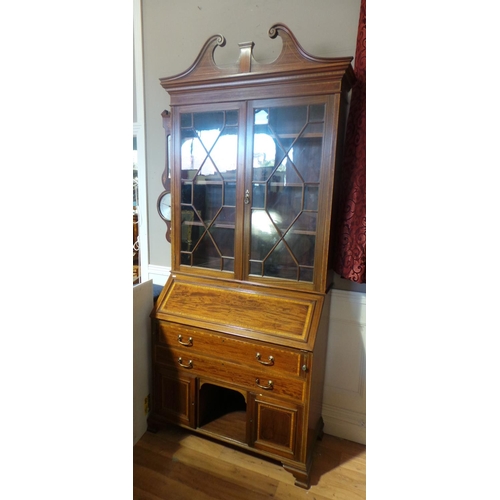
column 240, row 328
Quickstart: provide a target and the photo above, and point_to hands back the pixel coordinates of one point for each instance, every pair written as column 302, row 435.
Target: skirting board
column 344, row 424
column 159, row 274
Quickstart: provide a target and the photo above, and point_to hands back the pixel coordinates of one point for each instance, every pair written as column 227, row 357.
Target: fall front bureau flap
column 278, row 316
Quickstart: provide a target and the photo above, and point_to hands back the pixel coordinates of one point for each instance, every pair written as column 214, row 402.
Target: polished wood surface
column 241, row 326
column 271, row 314
column 295, row 78
column 321, row 75
column 222, row 369
column 176, row 464
column 280, row 384
column 253, row 354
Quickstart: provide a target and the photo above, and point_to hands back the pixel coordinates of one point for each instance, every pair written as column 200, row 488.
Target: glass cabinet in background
column 240, row 328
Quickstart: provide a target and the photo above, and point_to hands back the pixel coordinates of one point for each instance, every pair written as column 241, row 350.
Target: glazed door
column 209, row 154
column 254, row 185
column 285, row 175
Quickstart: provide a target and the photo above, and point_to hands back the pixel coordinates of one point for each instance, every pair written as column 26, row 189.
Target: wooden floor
column 178, row 465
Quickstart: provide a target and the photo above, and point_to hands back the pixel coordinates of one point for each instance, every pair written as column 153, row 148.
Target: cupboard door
column 208, row 157
column 275, row 426
column 285, row 185
column 174, row 396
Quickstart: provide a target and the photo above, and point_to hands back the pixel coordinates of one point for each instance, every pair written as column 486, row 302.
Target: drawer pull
column 267, row 387
column 189, row 343
column 267, row 363
column 189, row 365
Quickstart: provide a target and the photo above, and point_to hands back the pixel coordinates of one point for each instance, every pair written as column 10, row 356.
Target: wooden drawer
column 256, row 380
column 269, row 358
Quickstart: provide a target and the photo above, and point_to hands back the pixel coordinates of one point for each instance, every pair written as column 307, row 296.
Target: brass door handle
column 267, row 387
column 189, row 365
column 188, row 344
column 247, row 197
column 267, row 363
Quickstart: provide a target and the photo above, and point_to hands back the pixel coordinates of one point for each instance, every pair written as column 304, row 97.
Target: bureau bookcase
column 240, row 328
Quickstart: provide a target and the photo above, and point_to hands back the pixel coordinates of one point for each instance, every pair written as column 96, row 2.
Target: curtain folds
column 350, row 246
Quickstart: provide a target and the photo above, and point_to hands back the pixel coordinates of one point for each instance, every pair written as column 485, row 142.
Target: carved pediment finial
column 291, row 58
column 246, row 57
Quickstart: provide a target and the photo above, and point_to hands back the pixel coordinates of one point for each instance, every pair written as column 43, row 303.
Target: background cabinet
column 240, row 328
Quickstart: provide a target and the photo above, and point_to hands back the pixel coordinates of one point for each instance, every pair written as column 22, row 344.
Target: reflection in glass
column 209, row 154
column 288, row 144
column 264, row 151
column 264, row 235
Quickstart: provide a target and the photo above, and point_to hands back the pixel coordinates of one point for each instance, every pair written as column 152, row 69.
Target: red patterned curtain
column 350, row 247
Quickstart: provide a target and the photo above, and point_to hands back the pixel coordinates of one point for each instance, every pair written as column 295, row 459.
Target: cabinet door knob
column 247, row 197
column 267, row 387
column 267, row 363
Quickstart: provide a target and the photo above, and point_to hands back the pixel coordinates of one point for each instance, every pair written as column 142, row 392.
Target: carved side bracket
column 167, row 125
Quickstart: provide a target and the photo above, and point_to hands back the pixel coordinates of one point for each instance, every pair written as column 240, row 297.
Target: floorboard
column 177, row 464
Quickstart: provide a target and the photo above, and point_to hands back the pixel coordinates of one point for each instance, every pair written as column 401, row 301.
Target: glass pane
column 187, row 193
column 206, row 254
column 264, row 235
column 287, row 154
column 285, row 204
column 307, row 158
column 281, row 263
column 191, row 228
column 264, row 156
column 209, row 154
column 258, row 195
column 232, row 118
column 224, row 155
column 186, row 259
column 223, row 237
column 230, row 194
column 222, row 231
column 187, row 120
column 256, row 268
column 311, row 197
column 228, row 264
column 303, row 247
column 305, row 222
column 210, row 204
column 306, row 274
column 316, row 113
column 288, row 120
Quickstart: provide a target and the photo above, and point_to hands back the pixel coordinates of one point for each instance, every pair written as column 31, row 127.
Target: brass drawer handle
column 267, row 363
column 189, row 365
column 267, row 387
column 188, row 344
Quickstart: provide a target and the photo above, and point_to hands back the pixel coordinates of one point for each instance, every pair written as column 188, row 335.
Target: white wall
column 344, row 396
